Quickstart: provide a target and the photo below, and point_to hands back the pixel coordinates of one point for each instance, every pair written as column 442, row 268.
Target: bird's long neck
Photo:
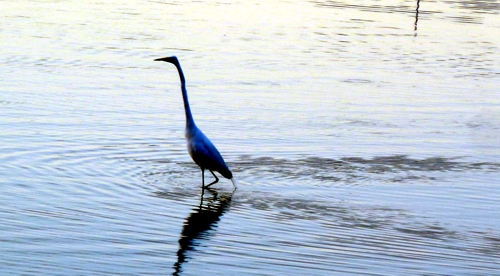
column 189, row 117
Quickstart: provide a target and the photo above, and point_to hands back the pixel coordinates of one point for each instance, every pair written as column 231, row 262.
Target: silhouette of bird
column 200, row 225
column 201, row 149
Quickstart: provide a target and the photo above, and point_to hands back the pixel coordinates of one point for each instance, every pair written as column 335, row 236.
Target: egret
column 201, row 149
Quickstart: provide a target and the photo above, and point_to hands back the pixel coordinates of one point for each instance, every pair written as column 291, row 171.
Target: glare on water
column 363, row 136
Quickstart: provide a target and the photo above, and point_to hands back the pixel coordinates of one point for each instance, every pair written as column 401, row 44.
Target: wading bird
column 201, row 149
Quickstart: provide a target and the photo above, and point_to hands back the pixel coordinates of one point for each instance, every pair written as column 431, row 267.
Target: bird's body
column 205, row 154
column 202, row 150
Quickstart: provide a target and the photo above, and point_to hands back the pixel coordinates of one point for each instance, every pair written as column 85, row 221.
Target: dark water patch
column 429, row 231
column 490, row 244
column 482, row 6
column 465, row 19
column 397, row 168
column 357, row 81
column 375, row 7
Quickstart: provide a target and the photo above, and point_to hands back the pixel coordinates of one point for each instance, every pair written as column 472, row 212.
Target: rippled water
column 363, row 141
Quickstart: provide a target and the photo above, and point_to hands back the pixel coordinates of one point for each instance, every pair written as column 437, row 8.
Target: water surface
column 363, row 141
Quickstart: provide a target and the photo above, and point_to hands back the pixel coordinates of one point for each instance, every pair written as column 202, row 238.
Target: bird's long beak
column 172, row 59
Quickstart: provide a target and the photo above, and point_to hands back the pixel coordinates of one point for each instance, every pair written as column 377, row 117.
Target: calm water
column 361, row 146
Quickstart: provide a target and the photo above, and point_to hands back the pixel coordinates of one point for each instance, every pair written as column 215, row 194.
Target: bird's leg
column 201, row 198
column 216, row 179
column 202, row 178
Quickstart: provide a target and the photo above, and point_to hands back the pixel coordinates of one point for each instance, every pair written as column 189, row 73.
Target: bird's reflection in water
column 202, row 219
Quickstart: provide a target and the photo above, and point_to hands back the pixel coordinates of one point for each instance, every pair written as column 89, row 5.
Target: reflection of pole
column 416, row 16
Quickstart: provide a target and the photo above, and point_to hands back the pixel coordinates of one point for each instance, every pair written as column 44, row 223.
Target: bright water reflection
column 361, row 145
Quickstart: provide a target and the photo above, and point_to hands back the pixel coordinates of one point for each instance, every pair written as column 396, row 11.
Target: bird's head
column 172, row 59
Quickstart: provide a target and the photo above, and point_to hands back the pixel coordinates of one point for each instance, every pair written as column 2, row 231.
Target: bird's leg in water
column 216, row 179
column 202, row 178
column 201, row 199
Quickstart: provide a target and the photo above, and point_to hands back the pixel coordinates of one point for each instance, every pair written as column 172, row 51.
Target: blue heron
column 201, row 149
